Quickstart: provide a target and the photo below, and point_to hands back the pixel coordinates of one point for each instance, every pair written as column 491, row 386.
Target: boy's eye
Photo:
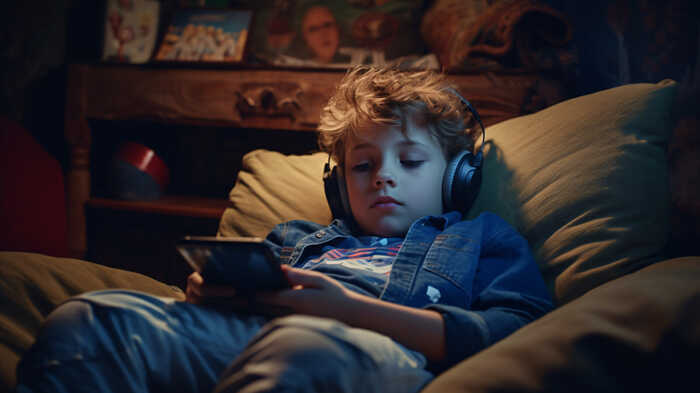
column 412, row 163
column 363, row 167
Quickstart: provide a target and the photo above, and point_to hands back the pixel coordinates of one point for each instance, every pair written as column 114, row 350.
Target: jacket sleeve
column 508, row 292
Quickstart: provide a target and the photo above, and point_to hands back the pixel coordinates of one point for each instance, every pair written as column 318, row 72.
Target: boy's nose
column 384, row 177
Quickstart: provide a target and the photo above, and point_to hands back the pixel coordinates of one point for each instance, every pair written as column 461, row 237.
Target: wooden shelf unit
column 173, row 205
column 258, row 99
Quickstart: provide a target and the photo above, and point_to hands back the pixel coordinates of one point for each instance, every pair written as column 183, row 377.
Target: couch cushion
column 638, row 333
column 272, row 188
column 585, row 181
column 32, row 285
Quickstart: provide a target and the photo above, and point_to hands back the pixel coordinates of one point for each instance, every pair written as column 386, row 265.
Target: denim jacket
column 479, row 274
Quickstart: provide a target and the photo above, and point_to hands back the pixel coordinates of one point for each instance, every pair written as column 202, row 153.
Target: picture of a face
column 320, row 31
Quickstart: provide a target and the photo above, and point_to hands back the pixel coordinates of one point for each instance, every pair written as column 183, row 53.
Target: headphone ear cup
column 336, row 193
column 461, row 182
column 343, row 194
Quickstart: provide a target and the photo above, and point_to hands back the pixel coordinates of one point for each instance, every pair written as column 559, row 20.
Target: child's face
column 393, row 178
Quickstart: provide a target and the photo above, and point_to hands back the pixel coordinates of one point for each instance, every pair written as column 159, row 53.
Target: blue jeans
column 125, row 341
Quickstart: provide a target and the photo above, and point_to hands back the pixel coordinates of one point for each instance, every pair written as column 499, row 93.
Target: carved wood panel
column 246, row 98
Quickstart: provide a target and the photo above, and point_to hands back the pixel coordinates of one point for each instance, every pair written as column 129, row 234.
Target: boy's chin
column 386, row 228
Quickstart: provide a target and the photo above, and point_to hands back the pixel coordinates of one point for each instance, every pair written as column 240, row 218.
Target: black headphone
column 460, row 182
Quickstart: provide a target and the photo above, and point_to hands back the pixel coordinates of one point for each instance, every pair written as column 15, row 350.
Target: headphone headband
column 476, row 116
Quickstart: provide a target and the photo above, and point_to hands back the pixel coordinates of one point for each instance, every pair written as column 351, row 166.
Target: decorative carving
column 284, row 99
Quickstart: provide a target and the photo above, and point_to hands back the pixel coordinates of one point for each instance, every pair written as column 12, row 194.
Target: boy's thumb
column 305, row 278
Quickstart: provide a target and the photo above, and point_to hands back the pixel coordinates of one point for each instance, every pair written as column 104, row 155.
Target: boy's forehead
column 369, row 133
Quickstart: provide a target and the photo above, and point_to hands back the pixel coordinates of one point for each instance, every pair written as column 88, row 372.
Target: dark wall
column 32, row 58
column 628, row 41
column 37, row 39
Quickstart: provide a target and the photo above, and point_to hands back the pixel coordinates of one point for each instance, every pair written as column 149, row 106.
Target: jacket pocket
column 453, row 257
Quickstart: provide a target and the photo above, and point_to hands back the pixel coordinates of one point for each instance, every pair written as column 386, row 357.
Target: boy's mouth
column 385, row 201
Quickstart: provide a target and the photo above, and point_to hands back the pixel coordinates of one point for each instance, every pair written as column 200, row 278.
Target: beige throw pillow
column 585, row 181
column 273, row 188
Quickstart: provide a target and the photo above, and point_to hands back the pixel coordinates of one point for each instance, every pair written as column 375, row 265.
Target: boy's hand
column 197, row 291
column 312, row 293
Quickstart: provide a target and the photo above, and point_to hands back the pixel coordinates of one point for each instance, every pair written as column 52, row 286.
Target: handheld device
column 244, row 263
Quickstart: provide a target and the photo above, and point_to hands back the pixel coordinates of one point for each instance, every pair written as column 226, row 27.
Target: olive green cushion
column 32, row 285
column 272, row 188
column 637, row 333
column 586, row 182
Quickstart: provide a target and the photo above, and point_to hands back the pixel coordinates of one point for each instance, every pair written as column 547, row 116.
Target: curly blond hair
column 390, row 96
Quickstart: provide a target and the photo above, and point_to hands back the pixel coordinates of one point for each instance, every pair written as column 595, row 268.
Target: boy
column 393, row 292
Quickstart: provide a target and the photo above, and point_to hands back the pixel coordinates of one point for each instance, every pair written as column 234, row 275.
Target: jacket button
column 320, row 234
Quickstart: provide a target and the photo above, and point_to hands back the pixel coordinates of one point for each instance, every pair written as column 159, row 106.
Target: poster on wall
column 206, row 35
column 337, row 33
column 131, row 28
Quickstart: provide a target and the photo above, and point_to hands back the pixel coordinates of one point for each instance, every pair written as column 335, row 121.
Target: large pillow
column 639, row 333
column 32, row 285
column 585, row 181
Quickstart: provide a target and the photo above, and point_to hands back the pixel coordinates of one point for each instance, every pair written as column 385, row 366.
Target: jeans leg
column 63, row 353
column 125, row 341
column 314, row 355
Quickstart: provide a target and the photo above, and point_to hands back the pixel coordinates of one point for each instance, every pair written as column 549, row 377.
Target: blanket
column 515, row 34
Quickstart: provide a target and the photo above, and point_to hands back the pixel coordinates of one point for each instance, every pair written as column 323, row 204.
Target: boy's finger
column 195, row 284
column 286, row 297
column 195, row 278
column 192, row 297
column 305, row 278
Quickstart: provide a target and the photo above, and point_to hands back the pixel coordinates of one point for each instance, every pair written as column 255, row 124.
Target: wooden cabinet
column 257, row 106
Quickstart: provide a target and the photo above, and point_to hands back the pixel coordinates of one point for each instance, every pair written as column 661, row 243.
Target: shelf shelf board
column 187, row 206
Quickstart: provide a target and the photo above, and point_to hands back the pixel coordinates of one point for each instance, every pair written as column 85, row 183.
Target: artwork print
column 131, row 28
column 336, row 33
column 206, row 35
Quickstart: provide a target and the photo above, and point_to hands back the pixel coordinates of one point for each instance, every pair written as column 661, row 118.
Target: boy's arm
column 508, row 293
column 418, row 329
column 316, row 294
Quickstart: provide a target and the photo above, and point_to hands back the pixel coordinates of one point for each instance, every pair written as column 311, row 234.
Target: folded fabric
column 526, row 34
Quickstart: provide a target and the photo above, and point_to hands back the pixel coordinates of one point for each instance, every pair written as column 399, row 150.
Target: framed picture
column 206, row 35
column 337, row 33
column 131, row 28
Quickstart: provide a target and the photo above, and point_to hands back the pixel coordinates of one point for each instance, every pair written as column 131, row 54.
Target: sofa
column 585, row 181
